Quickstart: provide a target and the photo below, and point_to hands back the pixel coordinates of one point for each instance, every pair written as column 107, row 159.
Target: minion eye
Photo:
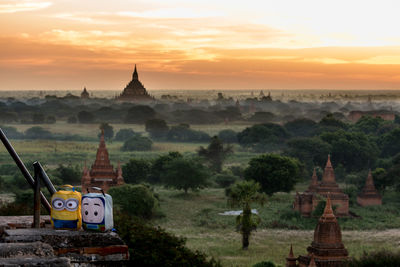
column 58, row 204
column 72, row 204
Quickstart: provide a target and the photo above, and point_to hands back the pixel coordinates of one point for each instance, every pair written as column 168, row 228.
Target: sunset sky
column 184, row 44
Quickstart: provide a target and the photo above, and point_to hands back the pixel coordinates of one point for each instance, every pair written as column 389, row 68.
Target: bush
column 124, row 134
column 225, row 180
column 68, row 174
column 264, row 264
column 135, row 200
column 12, row 133
column 183, row 133
column 151, row 246
column 136, row 171
column 137, row 143
column 37, row 132
column 381, row 258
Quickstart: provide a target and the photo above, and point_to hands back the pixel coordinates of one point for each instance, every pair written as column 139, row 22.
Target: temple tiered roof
column 134, row 90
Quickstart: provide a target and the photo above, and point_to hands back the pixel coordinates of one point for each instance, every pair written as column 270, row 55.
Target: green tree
column 390, row 143
column 261, row 136
column 139, row 114
column 215, row 153
column 157, row 128
column 124, row 134
column 275, row 173
column 68, row 174
column 158, row 166
column 351, row 149
column 108, row 130
column 85, row 117
column 181, row 173
column 368, row 124
column 311, row 151
column 330, row 123
column 243, row 194
column 135, row 200
column 137, row 143
column 301, row 127
column 381, row 179
column 136, row 171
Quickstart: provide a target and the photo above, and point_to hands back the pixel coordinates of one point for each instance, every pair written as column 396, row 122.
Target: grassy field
column 52, row 152
column 195, row 216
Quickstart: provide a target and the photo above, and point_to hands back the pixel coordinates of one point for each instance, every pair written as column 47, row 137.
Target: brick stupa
column 327, row 249
column 306, row 202
column 369, row 196
column 102, row 173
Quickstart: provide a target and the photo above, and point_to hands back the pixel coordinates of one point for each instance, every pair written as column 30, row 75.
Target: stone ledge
column 23, row 250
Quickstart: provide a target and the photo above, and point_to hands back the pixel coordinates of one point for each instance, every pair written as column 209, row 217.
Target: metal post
column 22, row 168
column 42, row 174
column 36, row 205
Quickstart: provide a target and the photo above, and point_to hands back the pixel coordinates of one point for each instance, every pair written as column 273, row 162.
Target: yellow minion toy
column 66, row 209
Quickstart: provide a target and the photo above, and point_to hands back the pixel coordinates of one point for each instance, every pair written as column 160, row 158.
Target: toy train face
column 65, row 211
column 93, row 211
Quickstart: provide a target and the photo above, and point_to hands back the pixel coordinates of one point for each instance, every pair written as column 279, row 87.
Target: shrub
column 124, row 134
column 381, row 258
column 135, row 200
column 264, row 264
column 137, row 143
column 37, row 132
column 153, row 246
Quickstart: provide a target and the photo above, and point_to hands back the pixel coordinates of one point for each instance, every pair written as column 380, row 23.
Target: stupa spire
column 329, row 175
column 135, row 75
column 370, row 180
column 328, row 211
column 291, row 261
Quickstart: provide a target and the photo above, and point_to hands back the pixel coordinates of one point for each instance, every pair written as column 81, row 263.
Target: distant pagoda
column 102, row 173
column 369, row 196
column 84, row 94
column 135, row 90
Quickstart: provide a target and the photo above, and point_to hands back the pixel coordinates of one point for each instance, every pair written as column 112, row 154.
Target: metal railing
column 39, row 174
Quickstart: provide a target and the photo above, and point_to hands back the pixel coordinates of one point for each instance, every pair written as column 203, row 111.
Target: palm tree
column 243, row 194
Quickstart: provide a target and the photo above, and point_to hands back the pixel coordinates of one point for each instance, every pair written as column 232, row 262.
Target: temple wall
column 363, row 202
